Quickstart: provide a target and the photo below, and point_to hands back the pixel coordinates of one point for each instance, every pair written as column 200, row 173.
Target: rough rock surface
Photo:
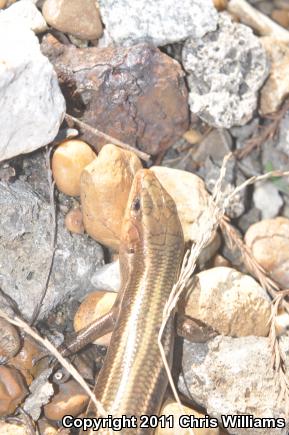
column 230, row 302
column 226, row 68
column 32, row 106
column 136, row 94
column 107, row 277
column 25, row 252
column 26, row 13
column 269, row 242
column 233, row 376
column 276, row 87
column 78, row 17
column 267, row 199
column 159, row 23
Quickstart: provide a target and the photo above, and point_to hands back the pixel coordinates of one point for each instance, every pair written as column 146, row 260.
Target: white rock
column 32, row 106
column 233, row 376
column 26, row 13
column 226, row 68
column 267, row 199
column 230, row 302
column 107, row 277
column 159, row 22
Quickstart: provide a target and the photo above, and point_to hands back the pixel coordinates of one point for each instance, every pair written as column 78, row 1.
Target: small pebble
column 71, row 399
column 68, row 162
column 9, row 340
column 267, row 199
column 74, row 221
column 12, row 390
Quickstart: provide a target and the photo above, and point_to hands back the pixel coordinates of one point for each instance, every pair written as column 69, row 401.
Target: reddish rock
column 136, row 94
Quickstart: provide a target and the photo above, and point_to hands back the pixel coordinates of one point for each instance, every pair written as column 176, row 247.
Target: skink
column 133, row 380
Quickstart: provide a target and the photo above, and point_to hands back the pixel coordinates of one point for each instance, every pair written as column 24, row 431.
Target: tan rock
column 12, row 390
column 219, row 260
column 171, row 407
column 74, row 221
column 71, row 399
column 269, row 242
column 3, row 3
column 193, row 136
column 230, row 302
column 220, row 5
column 276, row 87
column 13, row 429
column 191, row 198
column 94, row 306
column 45, row 428
column 105, row 186
column 79, row 17
column 281, row 16
column 68, row 162
column 9, row 340
column 23, row 361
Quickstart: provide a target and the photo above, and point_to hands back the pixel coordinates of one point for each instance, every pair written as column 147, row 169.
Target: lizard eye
column 136, row 204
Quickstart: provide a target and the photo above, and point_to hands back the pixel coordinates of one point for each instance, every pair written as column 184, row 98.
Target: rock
column 230, row 302
column 23, row 361
column 9, row 340
column 105, row 186
column 275, row 152
column 226, row 68
column 268, row 241
column 12, row 390
column 68, row 161
column 13, row 429
column 233, row 376
column 93, row 307
column 193, row 136
column 249, row 218
column 78, row 17
column 108, row 277
column 30, row 114
column 71, row 399
column 25, row 232
column 220, row 5
column 170, row 407
column 161, row 23
column 267, row 199
column 191, row 198
column 281, row 16
column 46, row 428
column 74, row 221
column 149, row 112
column 275, row 89
column 25, row 13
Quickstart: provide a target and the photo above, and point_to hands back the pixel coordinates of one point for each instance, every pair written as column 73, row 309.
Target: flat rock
column 32, row 106
column 230, row 302
column 160, row 23
column 269, row 242
column 233, row 376
column 136, row 94
column 276, row 87
column 25, row 252
column 267, row 199
column 77, row 17
column 226, row 68
column 26, row 13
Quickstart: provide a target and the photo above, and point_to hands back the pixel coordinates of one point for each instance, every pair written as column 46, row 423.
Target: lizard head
column 151, row 220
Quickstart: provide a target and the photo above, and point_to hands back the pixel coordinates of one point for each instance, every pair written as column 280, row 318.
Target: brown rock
column 136, row 94
column 281, row 16
column 74, row 221
column 220, row 5
column 94, row 306
column 230, row 302
column 71, row 399
column 269, row 242
column 219, row 260
column 68, row 161
column 171, row 407
column 9, row 340
column 23, row 361
column 105, row 186
column 3, row 3
column 276, row 87
column 12, row 390
column 79, row 17
column 193, row 136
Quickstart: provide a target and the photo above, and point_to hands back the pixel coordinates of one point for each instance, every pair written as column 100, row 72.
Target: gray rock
column 233, row 376
column 26, row 13
column 32, row 106
column 107, row 277
column 267, row 199
column 215, row 145
column 226, row 68
column 248, row 219
column 275, row 152
column 25, row 252
column 159, row 22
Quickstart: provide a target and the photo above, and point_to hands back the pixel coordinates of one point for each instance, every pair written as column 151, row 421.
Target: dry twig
column 109, row 139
